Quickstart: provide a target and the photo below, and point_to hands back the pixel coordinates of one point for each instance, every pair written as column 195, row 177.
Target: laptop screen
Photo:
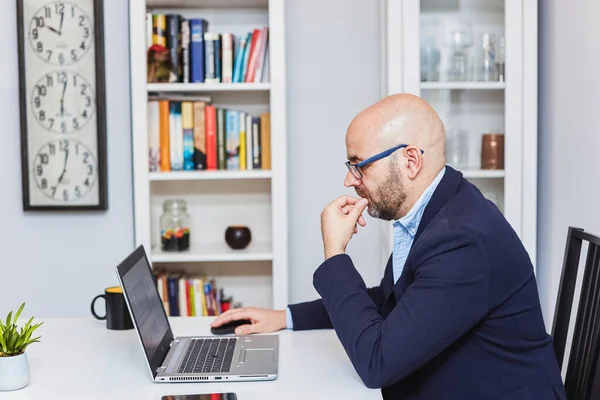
column 146, row 307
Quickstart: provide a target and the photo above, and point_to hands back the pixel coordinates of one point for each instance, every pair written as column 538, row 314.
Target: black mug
column 117, row 315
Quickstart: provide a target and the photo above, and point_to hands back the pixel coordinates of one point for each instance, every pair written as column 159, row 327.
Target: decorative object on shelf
column 174, row 226
column 486, row 65
column 14, row 364
column 501, row 59
column 457, row 148
column 238, row 237
column 62, row 104
column 159, row 65
column 492, row 151
column 117, row 315
column 430, row 60
column 458, row 36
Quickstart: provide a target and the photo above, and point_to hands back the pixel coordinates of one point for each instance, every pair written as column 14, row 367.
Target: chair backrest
column 582, row 380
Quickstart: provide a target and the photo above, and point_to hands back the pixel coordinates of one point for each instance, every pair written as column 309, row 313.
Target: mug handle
column 92, row 307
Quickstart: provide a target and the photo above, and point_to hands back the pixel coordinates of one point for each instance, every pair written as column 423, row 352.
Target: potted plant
column 14, row 365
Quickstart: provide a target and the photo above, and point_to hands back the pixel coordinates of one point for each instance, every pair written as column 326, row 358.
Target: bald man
column 457, row 313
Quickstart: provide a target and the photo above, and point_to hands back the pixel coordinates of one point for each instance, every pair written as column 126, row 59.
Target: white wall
column 56, row 262
column 333, row 63
column 569, row 140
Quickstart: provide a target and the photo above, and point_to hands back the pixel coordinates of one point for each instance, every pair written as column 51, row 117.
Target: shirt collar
column 411, row 220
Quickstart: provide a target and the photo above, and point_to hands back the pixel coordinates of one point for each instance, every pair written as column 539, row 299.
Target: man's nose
column 351, row 180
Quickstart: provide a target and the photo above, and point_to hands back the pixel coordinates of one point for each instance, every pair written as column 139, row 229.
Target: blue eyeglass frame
column 383, row 154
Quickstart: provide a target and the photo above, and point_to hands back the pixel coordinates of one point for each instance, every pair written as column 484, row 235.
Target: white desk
column 78, row 358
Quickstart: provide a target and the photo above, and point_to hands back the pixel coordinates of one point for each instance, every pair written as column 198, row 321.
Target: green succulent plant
column 12, row 340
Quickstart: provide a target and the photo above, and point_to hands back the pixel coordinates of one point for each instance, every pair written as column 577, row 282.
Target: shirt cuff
column 288, row 319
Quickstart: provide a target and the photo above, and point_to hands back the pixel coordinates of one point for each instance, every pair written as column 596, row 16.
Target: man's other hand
column 263, row 320
column 339, row 222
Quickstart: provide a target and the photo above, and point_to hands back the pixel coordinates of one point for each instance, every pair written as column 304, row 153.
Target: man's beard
column 390, row 197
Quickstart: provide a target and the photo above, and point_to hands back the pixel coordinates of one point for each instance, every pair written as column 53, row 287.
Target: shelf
column 207, row 87
column 217, row 252
column 208, row 3
column 463, row 85
column 209, row 175
column 483, row 173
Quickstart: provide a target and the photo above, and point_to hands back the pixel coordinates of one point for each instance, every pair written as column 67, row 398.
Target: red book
column 211, row 137
column 254, row 49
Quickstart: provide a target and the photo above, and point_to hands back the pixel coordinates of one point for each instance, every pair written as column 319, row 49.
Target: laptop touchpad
column 257, row 355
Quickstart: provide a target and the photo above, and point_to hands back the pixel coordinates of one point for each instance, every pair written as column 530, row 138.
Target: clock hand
column 52, row 29
column 64, row 167
column 62, row 99
column 62, row 17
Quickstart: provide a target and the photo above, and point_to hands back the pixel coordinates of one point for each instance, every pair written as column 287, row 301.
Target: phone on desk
column 203, row 396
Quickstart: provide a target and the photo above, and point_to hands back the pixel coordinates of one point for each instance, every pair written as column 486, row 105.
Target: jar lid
column 174, row 204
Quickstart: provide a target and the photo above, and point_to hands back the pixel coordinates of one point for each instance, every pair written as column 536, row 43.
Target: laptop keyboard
column 208, row 356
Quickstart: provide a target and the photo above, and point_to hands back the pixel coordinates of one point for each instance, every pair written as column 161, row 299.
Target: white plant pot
column 14, row 372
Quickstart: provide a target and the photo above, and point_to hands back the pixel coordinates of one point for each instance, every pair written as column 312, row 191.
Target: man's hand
column 263, row 320
column 338, row 223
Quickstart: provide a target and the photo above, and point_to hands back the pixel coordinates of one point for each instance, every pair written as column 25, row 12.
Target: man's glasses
column 355, row 168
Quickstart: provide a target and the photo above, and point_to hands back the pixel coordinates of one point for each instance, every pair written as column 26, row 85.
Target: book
column 187, row 122
column 153, row 136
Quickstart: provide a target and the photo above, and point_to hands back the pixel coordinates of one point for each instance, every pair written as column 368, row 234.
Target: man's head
column 392, row 184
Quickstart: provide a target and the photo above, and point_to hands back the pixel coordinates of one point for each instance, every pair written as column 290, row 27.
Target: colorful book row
column 197, row 55
column 195, row 135
column 190, row 296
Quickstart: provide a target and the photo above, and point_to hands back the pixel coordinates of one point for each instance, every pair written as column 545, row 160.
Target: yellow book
column 242, row 140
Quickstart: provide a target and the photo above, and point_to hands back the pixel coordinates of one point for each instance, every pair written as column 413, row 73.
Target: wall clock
column 62, row 104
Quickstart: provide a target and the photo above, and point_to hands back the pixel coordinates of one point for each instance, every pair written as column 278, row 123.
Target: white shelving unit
column 257, row 275
column 506, row 106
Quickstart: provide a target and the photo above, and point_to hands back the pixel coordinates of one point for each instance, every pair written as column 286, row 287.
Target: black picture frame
column 100, row 114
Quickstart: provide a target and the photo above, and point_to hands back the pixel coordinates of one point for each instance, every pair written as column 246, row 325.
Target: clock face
column 62, row 101
column 60, row 33
column 64, row 170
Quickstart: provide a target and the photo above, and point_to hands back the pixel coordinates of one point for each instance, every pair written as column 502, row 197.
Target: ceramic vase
column 14, row 372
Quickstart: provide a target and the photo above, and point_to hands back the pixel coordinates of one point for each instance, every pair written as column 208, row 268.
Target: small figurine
column 160, row 68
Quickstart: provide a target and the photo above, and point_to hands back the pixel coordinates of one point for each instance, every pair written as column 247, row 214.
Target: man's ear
column 414, row 161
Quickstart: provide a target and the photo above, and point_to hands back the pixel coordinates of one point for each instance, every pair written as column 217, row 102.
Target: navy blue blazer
column 463, row 320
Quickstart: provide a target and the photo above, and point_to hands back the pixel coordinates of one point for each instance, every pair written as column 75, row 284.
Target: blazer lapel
column 447, row 188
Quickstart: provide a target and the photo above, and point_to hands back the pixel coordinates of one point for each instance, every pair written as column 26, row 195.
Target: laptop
column 189, row 358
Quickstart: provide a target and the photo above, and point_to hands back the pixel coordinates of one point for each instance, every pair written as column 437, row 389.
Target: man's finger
column 345, row 200
column 231, row 315
column 346, row 209
column 358, row 209
column 248, row 329
column 361, row 221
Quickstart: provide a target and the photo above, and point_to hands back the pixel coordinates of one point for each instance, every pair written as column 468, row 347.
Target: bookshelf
column 416, row 38
column 217, row 197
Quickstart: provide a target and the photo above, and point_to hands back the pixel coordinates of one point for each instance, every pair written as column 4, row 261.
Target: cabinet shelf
column 463, row 85
column 208, row 3
column 215, row 252
column 483, row 173
column 209, row 175
column 207, row 87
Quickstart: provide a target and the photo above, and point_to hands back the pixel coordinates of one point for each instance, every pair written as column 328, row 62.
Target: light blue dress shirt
column 405, row 229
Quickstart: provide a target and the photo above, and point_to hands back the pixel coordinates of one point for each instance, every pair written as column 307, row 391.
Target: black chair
column 582, row 380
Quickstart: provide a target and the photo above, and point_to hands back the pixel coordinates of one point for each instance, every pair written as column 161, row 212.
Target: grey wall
column 333, row 63
column 58, row 262
column 569, row 141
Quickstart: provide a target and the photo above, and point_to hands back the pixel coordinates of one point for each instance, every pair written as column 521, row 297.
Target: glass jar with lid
column 174, row 226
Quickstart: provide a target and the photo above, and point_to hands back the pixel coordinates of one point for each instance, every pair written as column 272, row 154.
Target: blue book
column 233, row 140
column 198, row 27
column 239, row 58
column 246, row 57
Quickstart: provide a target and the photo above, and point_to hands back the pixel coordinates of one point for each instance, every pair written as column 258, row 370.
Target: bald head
column 401, row 119
column 393, row 184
